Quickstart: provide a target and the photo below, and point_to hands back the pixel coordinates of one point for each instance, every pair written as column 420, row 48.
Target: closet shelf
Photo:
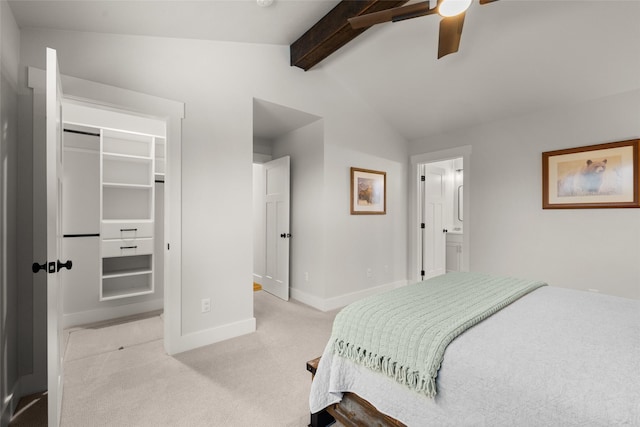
column 125, row 221
column 127, row 273
column 126, row 157
column 131, row 186
column 131, row 292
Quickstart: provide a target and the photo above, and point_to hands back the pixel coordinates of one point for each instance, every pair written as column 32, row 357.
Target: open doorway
column 440, row 213
column 48, row 139
column 113, row 221
column 285, row 143
column 441, row 217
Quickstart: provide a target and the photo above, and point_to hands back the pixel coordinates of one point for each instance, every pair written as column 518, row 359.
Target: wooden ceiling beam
column 333, row 31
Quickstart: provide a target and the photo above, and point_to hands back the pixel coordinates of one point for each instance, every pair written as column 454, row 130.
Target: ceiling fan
column 451, row 11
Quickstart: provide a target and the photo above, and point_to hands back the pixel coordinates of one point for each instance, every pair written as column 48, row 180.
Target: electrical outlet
column 369, row 272
column 206, row 305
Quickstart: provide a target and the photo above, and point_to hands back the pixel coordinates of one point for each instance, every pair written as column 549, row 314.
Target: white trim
column 107, row 313
column 213, row 335
column 328, row 304
column 82, row 113
column 436, row 156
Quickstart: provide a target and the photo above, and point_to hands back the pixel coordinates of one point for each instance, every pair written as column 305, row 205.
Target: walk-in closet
column 113, row 222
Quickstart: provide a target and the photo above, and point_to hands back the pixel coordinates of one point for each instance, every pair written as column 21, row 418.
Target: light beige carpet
column 254, row 380
column 111, row 336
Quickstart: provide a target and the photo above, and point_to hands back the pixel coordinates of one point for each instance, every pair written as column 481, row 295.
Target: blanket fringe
column 425, row 384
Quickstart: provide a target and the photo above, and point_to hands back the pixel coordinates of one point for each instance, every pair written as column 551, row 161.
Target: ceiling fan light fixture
column 453, row 7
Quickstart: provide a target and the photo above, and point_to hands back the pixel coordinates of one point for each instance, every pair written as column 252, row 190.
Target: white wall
column 356, row 243
column 331, row 250
column 218, row 81
column 512, row 234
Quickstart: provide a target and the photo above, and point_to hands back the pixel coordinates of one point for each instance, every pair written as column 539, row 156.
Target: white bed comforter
column 556, row 357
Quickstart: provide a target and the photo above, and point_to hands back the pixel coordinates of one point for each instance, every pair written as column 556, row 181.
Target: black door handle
column 49, row 268
column 66, row 265
column 285, row 236
column 35, row 267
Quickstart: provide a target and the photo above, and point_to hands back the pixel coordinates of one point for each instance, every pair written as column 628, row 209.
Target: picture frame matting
column 368, row 192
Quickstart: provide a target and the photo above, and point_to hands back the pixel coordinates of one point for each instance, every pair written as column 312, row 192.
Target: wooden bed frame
column 351, row 411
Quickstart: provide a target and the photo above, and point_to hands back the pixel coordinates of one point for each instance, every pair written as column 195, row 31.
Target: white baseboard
column 213, row 335
column 328, row 304
column 108, row 313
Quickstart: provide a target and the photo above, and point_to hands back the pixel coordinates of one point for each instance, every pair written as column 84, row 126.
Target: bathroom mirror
column 460, row 203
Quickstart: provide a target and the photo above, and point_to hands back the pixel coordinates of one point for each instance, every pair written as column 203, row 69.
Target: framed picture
column 368, row 192
column 596, row 176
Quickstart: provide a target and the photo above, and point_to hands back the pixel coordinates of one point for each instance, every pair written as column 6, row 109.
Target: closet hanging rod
column 81, row 132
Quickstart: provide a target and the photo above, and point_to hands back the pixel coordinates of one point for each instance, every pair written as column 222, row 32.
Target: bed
column 550, row 357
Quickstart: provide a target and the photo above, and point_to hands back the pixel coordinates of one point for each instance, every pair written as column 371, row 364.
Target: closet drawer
column 129, row 247
column 126, row 230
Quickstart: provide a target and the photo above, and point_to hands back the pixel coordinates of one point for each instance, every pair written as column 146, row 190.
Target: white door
column 434, row 235
column 54, row 236
column 277, row 233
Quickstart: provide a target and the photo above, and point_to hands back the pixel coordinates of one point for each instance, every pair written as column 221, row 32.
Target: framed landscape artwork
column 368, row 192
column 596, row 176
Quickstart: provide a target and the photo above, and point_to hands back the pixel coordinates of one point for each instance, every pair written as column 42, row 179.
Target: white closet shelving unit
column 127, row 172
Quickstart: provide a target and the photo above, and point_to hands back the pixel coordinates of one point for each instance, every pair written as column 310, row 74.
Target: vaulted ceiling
column 515, row 57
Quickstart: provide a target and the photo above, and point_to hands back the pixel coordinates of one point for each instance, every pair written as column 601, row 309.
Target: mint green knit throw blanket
column 404, row 333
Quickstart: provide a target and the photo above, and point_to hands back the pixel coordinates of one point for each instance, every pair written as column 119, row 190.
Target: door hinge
column 168, row 246
column 422, row 178
column 422, row 225
column 422, row 273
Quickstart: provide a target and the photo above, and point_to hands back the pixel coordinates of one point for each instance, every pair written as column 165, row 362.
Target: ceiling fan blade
column 487, row 1
column 450, row 33
column 394, row 14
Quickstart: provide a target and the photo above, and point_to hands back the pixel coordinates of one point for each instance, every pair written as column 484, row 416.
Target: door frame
column 414, row 204
column 118, row 99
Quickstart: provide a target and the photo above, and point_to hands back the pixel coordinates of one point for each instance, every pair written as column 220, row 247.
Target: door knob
column 35, row 267
column 49, row 268
column 66, row 265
